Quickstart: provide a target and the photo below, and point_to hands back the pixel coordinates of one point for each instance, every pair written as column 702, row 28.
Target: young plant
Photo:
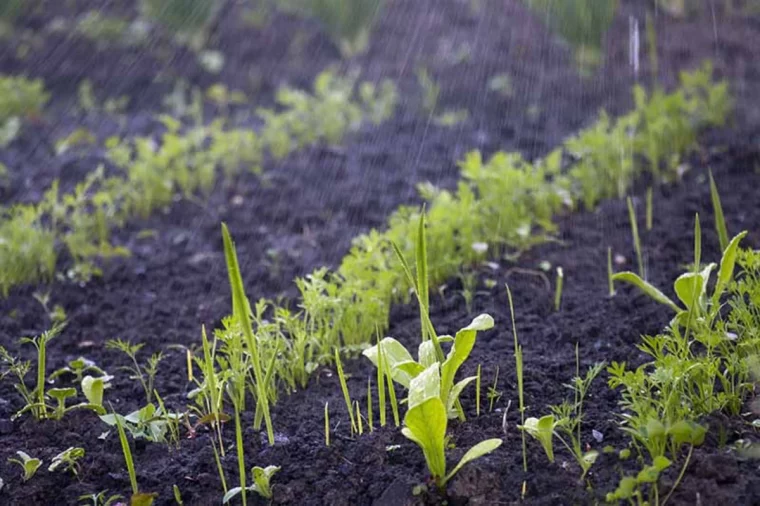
column 261, row 477
column 346, row 393
column 148, row 422
column 327, row 424
column 720, row 220
column 564, row 422
column 138, row 498
column 27, row 463
column 493, row 394
column 67, row 460
column 77, row 368
column 610, row 273
column 691, row 287
column 635, row 235
column 39, row 409
column 101, row 498
column 650, row 211
column 146, row 374
column 558, row 288
column 518, row 353
column 426, row 421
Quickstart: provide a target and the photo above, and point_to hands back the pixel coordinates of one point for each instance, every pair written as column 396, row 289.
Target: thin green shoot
column 381, row 380
column 519, row 369
column 219, row 467
column 558, row 288
column 610, row 273
column 649, row 215
column 127, row 451
column 241, row 310
column 369, row 405
column 391, row 393
column 477, row 392
column 359, row 423
column 720, row 220
column 40, row 343
column 635, row 234
column 327, row 424
column 493, row 394
column 346, row 393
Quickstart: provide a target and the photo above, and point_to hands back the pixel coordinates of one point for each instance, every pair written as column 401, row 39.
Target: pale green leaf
column 648, row 289
column 477, row 451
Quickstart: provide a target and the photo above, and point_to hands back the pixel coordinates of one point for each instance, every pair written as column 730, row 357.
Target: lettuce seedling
column 101, row 498
column 426, row 421
column 67, row 460
column 404, row 368
column 148, row 422
column 27, row 463
column 261, row 477
column 77, row 368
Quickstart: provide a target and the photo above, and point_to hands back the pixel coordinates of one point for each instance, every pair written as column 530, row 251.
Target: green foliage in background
column 20, row 98
column 181, row 16
column 347, row 22
column 582, row 23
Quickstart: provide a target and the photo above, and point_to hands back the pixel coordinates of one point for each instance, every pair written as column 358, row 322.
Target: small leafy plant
column 261, row 477
column 67, row 460
column 145, row 374
column 426, row 421
column 28, row 464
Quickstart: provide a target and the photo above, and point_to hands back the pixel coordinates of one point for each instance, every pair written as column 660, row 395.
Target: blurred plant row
column 147, row 173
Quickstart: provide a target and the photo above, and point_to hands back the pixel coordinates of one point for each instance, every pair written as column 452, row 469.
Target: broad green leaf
column 648, row 289
column 426, row 354
column 92, row 388
column 425, row 386
column 425, row 424
column 394, row 353
column 683, row 432
column 654, row 429
column 625, row 488
column 477, row 451
column 690, row 287
column 727, row 264
column 590, row 457
column 661, row 463
column 261, row 478
column 543, row 430
column 460, row 350
column 454, row 394
column 61, row 394
column 411, row 369
column 230, row 494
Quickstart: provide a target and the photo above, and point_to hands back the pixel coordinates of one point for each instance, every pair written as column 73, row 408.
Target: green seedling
column 630, row 488
column 28, row 464
column 145, row 374
column 261, row 477
column 564, row 423
column 425, row 423
column 691, row 287
column 67, row 460
column 493, row 394
column 346, row 393
column 369, row 405
column 101, row 499
column 650, row 211
column 327, row 424
column 720, row 220
column 138, row 498
column 635, row 235
column 177, row 495
column 431, row 90
column 518, row 353
column 148, row 422
column 39, row 409
column 77, row 368
column 404, row 368
column 558, row 288
column 477, row 392
column 610, row 273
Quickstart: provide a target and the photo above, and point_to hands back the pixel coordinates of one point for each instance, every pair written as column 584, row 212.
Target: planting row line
column 149, row 173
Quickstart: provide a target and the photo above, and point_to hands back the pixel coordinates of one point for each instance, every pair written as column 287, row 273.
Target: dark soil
column 304, row 213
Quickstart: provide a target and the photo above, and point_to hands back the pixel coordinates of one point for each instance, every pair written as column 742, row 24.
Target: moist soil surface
column 303, row 214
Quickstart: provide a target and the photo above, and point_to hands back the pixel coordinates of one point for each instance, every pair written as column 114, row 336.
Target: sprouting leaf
column 425, row 424
column 477, row 451
column 691, row 287
column 648, row 289
column 92, row 388
column 727, row 264
column 543, row 430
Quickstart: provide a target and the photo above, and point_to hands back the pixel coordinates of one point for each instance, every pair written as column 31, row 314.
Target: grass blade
column 720, row 220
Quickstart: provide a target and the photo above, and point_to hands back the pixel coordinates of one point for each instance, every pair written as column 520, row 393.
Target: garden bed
column 304, row 213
